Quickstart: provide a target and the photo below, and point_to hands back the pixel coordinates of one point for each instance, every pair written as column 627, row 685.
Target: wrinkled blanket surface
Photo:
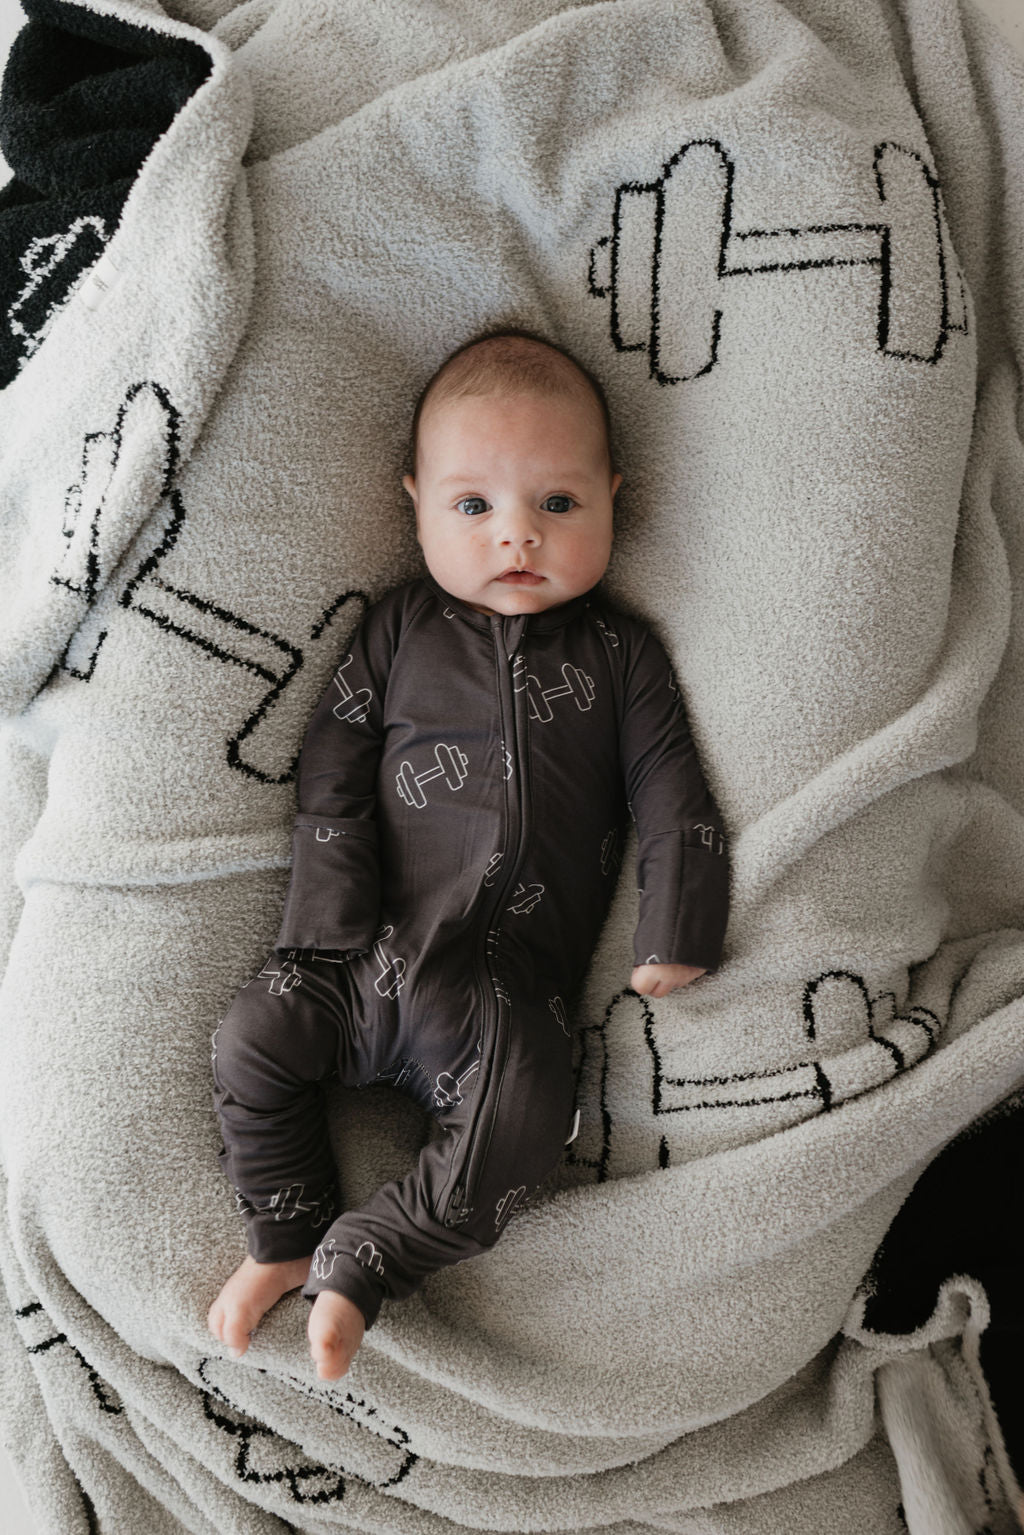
column 787, row 237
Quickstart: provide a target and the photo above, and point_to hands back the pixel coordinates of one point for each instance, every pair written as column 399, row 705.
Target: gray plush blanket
column 787, row 236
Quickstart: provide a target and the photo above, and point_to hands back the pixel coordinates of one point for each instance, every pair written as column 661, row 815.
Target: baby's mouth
column 515, row 577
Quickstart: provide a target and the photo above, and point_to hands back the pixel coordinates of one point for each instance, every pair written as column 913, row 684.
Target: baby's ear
column 409, row 486
column 616, row 482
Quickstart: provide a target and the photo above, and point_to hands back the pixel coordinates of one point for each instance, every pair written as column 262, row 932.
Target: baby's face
column 513, row 498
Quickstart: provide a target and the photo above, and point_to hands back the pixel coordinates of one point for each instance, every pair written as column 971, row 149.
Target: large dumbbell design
column 576, row 685
column 858, row 1041
column 145, row 434
column 354, row 707
column 451, row 766
column 672, row 247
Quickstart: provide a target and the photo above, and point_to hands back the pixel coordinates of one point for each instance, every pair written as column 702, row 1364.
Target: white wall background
column 14, row 1516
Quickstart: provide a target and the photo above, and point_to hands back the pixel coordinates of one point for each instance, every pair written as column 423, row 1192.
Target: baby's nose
column 519, row 526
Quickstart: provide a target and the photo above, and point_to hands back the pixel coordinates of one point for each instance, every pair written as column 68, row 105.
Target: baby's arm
column 333, row 896
column 659, row 980
column 682, row 867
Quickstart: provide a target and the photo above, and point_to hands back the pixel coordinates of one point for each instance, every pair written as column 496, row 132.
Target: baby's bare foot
column 248, row 1295
column 336, row 1327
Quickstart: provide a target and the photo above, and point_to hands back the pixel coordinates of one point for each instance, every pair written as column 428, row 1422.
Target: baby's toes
column 335, row 1332
column 335, row 1363
column 230, row 1320
column 237, row 1327
column 215, row 1318
column 330, row 1355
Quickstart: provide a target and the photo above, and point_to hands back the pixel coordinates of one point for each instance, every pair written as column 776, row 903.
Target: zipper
column 506, row 635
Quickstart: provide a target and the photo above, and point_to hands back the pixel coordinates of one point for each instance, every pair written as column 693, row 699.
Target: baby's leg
column 416, row 1225
column 276, row 1044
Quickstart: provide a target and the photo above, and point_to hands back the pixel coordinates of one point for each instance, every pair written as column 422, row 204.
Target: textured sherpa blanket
column 787, row 236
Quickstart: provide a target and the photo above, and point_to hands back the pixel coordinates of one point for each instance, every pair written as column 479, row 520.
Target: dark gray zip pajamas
column 462, row 793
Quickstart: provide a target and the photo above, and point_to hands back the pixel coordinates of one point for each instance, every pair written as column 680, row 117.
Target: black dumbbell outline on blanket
column 814, row 246
column 181, row 609
column 754, row 1089
column 299, row 1477
column 243, row 1428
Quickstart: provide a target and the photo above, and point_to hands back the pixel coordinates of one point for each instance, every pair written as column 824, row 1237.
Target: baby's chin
column 514, row 604
column 513, row 601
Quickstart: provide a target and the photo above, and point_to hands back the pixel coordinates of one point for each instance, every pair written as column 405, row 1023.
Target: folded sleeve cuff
column 334, row 894
column 684, row 899
column 332, row 1270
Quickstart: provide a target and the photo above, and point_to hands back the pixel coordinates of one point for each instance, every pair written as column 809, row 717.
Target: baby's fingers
column 659, row 980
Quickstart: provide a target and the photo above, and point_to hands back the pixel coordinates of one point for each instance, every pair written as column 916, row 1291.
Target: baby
column 462, row 792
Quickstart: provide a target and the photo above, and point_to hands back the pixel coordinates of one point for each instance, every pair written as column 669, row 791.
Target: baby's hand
column 659, row 980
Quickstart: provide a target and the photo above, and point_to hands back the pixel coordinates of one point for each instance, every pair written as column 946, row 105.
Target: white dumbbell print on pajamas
column 576, row 685
column 557, row 1006
column 611, row 858
column 525, row 898
column 451, row 766
column 327, row 1255
column 607, row 631
column 354, row 706
column 324, row 1259
column 282, row 977
column 287, row 1203
column 508, row 1205
column 448, row 1089
column 370, row 1257
column 392, row 969
column 709, row 835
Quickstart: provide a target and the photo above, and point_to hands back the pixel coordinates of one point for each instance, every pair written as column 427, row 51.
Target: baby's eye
column 472, row 506
column 558, row 504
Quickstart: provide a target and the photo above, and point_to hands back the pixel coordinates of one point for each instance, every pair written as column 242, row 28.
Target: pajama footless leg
column 286, row 1031
column 506, row 1120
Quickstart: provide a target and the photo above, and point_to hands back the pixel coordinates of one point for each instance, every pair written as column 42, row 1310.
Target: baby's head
column 512, row 477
